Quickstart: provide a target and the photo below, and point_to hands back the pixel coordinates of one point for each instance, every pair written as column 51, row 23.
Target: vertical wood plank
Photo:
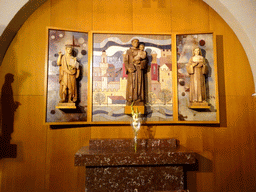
column 72, row 15
column 190, row 16
column 112, row 15
column 152, row 16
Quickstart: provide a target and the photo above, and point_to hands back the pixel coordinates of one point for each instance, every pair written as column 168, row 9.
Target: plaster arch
column 240, row 15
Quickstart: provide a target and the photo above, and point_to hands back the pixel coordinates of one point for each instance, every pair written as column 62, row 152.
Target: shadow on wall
column 8, row 106
column 221, row 80
column 202, row 165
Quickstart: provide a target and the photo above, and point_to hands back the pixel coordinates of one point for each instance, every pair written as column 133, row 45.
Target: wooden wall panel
column 26, row 172
column 25, row 57
column 98, row 132
column 62, row 144
column 152, row 16
column 45, row 161
column 112, row 15
column 25, row 60
column 233, row 146
column 73, row 15
column 190, row 16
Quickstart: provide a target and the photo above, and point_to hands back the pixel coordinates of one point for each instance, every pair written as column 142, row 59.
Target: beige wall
column 45, row 156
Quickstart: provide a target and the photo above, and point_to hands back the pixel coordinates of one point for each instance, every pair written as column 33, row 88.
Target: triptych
column 87, row 78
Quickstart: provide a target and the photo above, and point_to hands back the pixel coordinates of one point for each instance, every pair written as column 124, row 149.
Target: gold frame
column 46, row 77
column 127, row 122
column 174, row 81
column 215, row 79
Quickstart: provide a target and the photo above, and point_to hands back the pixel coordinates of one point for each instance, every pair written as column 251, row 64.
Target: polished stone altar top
column 116, row 152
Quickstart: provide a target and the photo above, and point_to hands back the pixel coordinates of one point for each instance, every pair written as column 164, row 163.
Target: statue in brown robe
column 135, row 65
column 69, row 72
column 197, row 70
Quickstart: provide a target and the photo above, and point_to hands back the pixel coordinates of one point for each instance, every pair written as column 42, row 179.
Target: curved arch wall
column 45, row 155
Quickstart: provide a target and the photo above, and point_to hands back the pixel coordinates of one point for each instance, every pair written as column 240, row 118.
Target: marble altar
column 113, row 165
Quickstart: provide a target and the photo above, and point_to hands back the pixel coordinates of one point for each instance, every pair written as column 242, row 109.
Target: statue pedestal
column 203, row 105
column 113, row 165
column 128, row 110
column 66, row 106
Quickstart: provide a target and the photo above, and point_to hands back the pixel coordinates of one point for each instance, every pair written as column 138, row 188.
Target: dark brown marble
column 130, row 179
column 113, row 165
column 174, row 191
column 128, row 143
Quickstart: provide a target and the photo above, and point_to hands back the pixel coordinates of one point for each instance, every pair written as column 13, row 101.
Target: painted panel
column 110, row 79
column 57, row 41
column 206, row 86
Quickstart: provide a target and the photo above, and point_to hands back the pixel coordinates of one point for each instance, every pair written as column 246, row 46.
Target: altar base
column 113, row 165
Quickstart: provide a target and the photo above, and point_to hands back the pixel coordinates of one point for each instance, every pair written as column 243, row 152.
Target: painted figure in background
column 135, row 66
column 197, row 70
column 69, row 72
